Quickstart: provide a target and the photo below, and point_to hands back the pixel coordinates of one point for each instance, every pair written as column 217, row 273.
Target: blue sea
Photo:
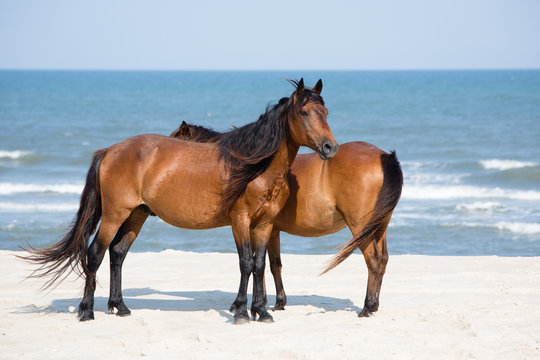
column 468, row 142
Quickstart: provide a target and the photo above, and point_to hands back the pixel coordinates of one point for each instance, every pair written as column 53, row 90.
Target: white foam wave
column 432, row 178
column 482, row 207
column 518, row 227
column 8, row 227
column 15, row 154
column 18, row 188
column 423, row 216
column 37, row 207
column 497, row 164
column 435, row 192
column 514, row 227
column 411, row 165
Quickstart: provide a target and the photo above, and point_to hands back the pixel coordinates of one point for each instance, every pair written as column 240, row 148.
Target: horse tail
column 386, row 203
column 70, row 252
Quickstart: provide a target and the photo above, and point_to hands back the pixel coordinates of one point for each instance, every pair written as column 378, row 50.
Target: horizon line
column 269, row 70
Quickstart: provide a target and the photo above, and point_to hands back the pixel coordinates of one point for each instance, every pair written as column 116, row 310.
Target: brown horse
column 240, row 180
column 358, row 188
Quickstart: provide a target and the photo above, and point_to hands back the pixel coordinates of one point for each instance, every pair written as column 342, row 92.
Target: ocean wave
column 432, row 217
column 15, row 154
column 521, row 228
column 481, row 207
column 435, row 192
column 31, row 227
column 411, row 165
column 432, row 178
column 498, row 164
column 20, row 188
column 37, row 207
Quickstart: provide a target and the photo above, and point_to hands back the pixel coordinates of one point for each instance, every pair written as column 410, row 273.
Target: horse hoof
column 86, row 312
column 123, row 313
column 241, row 319
column 123, row 310
column 365, row 313
column 87, row 316
column 266, row 318
column 279, row 307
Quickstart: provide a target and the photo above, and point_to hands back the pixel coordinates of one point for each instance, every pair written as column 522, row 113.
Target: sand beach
column 431, row 308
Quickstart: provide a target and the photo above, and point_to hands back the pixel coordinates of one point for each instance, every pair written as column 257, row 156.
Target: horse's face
column 308, row 126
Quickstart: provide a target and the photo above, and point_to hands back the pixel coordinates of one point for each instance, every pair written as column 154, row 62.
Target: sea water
column 468, row 142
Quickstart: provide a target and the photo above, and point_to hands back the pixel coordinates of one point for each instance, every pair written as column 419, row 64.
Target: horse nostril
column 327, row 148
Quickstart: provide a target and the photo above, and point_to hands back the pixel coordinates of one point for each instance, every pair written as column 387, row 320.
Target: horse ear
column 300, row 86
column 184, row 129
column 318, row 87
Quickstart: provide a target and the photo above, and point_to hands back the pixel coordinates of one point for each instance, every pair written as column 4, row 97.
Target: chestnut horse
column 240, row 180
column 358, row 188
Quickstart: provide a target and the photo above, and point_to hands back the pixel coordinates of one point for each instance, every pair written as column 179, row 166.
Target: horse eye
column 304, row 113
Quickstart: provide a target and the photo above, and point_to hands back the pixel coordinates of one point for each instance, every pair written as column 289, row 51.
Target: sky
column 269, row 35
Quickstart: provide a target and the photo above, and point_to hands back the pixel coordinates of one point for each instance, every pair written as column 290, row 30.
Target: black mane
column 249, row 150
column 196, row 133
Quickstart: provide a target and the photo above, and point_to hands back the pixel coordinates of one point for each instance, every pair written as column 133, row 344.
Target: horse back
column 179, row 181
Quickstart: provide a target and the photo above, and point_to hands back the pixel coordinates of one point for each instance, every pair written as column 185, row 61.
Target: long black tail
column 70, row 252
column 386, row 203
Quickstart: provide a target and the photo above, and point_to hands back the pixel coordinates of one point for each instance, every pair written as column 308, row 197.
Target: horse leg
column 117, row 252
column 376, row 257
column 96, row 251
column 261, row 235
column 274, row 256
column 245, row 255
column 264, row 288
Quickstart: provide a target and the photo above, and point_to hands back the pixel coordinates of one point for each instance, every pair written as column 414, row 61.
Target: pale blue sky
column 279, row 34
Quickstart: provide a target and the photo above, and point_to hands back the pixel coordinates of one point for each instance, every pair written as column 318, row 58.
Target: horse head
column 307, row 124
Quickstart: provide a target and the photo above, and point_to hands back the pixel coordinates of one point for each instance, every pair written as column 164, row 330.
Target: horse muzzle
column 327, row 149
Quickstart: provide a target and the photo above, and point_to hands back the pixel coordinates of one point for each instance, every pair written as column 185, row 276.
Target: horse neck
column 283, row 159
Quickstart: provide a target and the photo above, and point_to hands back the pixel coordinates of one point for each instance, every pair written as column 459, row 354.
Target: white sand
column 431, row 308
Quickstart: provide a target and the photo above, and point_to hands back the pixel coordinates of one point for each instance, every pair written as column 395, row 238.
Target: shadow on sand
column 141, row 298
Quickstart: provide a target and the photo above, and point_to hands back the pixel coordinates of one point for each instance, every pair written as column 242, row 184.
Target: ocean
column 468, row 142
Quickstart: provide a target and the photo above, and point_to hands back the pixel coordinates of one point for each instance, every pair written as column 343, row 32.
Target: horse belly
column 191, row 211
column 186, row 193
column 310, row 219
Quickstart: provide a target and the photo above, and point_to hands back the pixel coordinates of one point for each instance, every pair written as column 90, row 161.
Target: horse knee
column 94, row 257
column 374, row 264
column 117, row 254
column 247, row 264
column 259, row 262
column 384, row 260
column 376, row 260
column 383, row 263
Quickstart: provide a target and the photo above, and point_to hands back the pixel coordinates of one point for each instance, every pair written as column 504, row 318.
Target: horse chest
column 278, row 196
column 271, row 198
